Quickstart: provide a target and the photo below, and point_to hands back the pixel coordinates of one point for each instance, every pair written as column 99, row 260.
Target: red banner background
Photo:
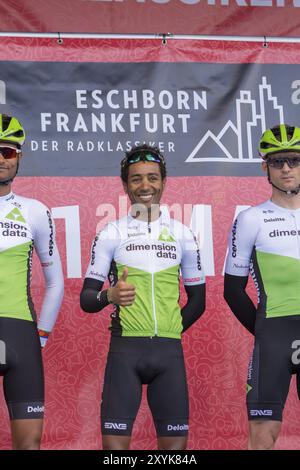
column 217, row 348
column 239, row 18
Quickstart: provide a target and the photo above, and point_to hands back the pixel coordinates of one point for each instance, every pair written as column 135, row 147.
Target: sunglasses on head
column 9, row 152
column 278, row 163
column 142, row 156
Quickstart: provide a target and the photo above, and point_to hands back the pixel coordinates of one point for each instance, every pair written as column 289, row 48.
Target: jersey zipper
column 152, row 288
column 153, row 306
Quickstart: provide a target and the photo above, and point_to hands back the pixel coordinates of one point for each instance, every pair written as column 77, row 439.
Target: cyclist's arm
column 92, row 297
column 43, row 230
column 195, row 305
column 193, row 279
column 239, row 301
column 241, row 242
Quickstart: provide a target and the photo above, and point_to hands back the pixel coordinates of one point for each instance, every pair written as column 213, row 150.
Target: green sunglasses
column 142, row 156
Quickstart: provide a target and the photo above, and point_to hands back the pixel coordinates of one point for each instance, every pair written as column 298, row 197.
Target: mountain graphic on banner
column 236, row 142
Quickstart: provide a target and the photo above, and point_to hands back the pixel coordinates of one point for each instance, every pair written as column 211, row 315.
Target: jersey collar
column 7, row 197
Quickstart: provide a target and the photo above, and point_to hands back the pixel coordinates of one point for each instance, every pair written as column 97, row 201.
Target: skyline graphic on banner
column 243, row 147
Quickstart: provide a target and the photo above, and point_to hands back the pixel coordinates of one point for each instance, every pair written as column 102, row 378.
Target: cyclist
column 24, row 224
column 265, row 241
column 142, row 254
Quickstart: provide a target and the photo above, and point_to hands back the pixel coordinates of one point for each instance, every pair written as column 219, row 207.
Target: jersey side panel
column 283, row 296
column 15, row 262
column 166, row 287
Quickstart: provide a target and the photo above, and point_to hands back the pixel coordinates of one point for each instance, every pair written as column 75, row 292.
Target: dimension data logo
column 165, row 236
column 11, row 229
column 16, row 215
column 284, row 233
column 162, row 250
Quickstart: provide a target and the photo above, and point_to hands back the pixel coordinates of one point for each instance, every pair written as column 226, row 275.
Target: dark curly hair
column 142, row 149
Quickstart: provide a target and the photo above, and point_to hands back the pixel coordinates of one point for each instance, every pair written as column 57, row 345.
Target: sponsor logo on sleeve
column 233, row 240
column 51, row 235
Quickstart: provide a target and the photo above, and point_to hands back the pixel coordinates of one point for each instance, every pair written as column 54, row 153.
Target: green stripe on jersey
column 283, row 296
column 14, row 276
column 157, row 298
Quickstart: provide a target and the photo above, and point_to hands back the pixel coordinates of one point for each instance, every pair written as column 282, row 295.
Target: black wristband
column 102, row 298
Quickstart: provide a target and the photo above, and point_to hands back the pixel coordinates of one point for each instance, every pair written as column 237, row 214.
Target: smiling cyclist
column 142, row 254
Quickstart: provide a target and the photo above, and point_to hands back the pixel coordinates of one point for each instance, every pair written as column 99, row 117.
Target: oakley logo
column 119, row 426
column 261, row 412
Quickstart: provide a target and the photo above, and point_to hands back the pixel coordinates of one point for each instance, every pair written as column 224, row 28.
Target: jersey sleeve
column 102, row 253
column 241, row 241
column 191, row 267
column 43, row 230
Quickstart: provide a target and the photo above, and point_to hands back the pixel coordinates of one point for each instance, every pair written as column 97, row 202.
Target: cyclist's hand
column 122, row 293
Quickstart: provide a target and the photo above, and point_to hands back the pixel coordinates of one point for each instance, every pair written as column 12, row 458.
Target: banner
column 206, row 118
column 82, row 105
column 202, row 17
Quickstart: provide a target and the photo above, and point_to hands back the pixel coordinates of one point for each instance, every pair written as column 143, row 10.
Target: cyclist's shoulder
column 253, row 213
column 25, row 202
column 116, row 224
column 176, row 224
column 25, row 209
column 111, row 231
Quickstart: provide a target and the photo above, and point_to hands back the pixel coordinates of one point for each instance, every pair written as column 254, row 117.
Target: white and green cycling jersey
column 265, row 240
column 154, row 254
column 26, row 224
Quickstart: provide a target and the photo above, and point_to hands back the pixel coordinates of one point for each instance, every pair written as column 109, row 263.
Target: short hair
column 143, row 149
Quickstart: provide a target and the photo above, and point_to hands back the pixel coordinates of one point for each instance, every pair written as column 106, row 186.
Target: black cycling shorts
column 22, row 368
column 274, row 360
column 157, row 362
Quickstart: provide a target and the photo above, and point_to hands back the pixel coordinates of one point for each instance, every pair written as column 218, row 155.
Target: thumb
column 124, row 275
